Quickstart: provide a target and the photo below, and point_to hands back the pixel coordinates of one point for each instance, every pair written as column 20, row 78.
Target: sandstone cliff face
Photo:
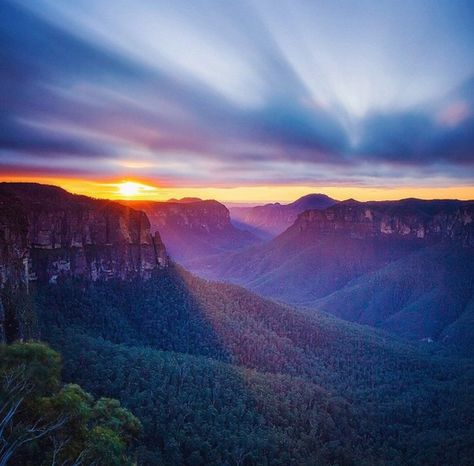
column 46, row 233
column 430, row 221
column 13, row 239
column 193, row 229
column 193, row 215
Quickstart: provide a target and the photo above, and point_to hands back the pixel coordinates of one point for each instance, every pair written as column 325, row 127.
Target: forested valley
column 218, row 375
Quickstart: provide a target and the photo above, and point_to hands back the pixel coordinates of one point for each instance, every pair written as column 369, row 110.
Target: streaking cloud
column 205, row 93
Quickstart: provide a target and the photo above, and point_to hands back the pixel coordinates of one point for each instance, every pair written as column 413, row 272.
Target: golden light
column 108, row 189
column 132, row 189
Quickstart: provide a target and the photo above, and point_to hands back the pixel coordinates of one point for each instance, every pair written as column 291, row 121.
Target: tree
column 42, row 422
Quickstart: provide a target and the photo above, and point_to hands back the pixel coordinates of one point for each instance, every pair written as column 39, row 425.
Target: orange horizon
column 133, row 189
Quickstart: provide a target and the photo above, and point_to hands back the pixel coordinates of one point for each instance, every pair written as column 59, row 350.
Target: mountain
column 270, row 220
column 402, row 265
column 192, row 228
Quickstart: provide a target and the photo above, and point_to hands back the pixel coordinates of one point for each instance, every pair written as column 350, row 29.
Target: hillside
column 325, row 252
column 368, row 383
column 269, row 220
column 428, row 294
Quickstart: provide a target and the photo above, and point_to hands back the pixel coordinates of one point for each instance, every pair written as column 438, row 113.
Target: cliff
column 46, row 232
column 430, row 221
column 193, row 228
column 186, row 214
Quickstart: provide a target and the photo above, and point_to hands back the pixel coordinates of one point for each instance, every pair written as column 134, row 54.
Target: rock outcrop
column 427, row 221
column 193, row 229
column 46, row 233
column 186, row 214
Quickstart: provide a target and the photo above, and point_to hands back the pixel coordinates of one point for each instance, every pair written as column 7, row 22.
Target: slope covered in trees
column 405, row 266
column 198, row 411
column 430, row 293
column 200, row 362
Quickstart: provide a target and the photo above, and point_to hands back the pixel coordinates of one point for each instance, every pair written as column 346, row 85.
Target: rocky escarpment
column 430, row 221
column 193, row 229
column 186, row 214
column 46, row 233
column 14, row 251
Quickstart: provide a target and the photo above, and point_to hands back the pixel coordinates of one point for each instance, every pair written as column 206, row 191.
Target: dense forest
column 218, row 375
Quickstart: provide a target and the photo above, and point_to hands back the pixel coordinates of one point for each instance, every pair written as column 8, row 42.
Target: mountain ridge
column 269, row 220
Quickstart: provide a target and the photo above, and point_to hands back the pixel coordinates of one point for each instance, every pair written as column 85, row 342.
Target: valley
column 194, row 229
column 404, row 266
column 214, row 372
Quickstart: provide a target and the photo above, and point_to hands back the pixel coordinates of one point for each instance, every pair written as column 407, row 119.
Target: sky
column 239, row 100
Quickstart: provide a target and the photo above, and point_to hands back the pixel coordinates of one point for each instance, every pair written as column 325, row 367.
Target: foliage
column 45, row 422
column 218, row 375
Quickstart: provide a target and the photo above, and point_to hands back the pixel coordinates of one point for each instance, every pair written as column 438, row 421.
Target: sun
column 131, row 189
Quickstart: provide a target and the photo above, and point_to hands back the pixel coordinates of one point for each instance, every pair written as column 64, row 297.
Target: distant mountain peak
column 269, row 220
column 351, row 201
column 312, row 196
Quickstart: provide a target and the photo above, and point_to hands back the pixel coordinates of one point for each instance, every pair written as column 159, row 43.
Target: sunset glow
column 244, row 194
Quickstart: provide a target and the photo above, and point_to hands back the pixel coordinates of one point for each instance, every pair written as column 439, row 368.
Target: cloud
column 442, row 132
column 215, row 96
column 454, row 114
